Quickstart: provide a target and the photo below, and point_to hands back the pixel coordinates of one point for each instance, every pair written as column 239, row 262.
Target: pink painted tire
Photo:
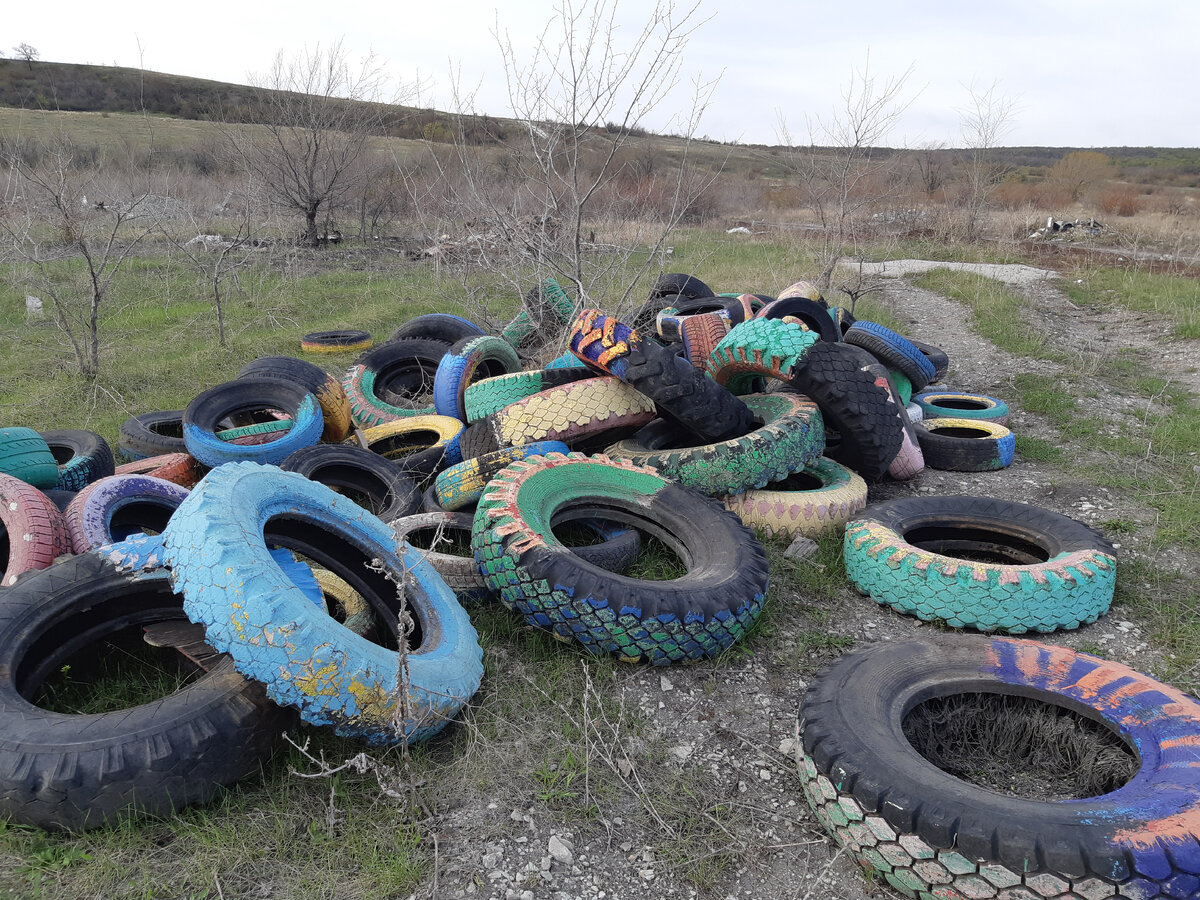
column 33, row 531
column 819, row 499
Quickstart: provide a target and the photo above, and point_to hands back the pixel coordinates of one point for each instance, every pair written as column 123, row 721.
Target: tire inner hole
column 977, row 545
column 961, row 431
column 953, row 403
column 148, row 516
column 398, row 446
column 797, row 481
column 358, row 485
column 1020, row 746
column 659, row 557
column 62, row 453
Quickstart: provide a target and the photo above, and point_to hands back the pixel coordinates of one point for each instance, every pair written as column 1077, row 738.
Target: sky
column 1102, row 73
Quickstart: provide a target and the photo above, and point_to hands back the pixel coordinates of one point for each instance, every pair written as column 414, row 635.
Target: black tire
column 441, row 327
column 64, row 771
column 82, row 457
column 152, row 434
column 938, row 358
column 893, row 350
column 677, row 283
column 965, row 445
column 813, row 314
column 855, row 404
column 335, row 406
column 929, row 833
column 374, row 483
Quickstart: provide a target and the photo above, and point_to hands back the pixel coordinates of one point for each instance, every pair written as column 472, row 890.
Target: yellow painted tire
column 354, row 611
column 396, row 440
column 820, row 498
column 335, row 341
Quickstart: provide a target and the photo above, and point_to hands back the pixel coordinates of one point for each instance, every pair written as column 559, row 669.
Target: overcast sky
column 1086, row 74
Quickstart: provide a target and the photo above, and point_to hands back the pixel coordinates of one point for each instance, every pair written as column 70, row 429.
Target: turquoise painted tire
column 216, row 546
column 490, row 395
column 921, row 556
column 467, row 361
column 25, row 455
column 961, row 405
column 790, row 435
column 759, row 348
column 551, row 305
column 697, row 615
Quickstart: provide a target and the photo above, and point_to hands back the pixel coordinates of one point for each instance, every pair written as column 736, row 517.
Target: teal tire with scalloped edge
column 789, row 436
column 216, row 546
column 490, row 395
column 923, row 556
column 695, row 616
column 759, row 348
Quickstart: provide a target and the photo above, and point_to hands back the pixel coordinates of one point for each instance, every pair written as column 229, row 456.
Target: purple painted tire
column 113, row 508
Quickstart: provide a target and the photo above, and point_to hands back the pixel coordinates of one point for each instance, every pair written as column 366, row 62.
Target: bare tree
column 307, row 128
column 27, row 52
column 844, row 171
column 929, row 159
column 71, row 247
column 571, row 171
column 1080, row 170
column 986, row 118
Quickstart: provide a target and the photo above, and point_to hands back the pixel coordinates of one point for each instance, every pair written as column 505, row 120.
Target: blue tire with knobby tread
column 922, row 556
column 216, row 547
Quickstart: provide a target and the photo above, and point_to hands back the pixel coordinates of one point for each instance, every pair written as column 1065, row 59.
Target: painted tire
column 469, row 360
column 580, row 411
column 920, row 556
column 152, row 434
column 437, row 327
column 930, row 834
column 700, row 335
column 814, row 315
column 903, row 386
column 819, row 499
column 550, row 306
column 893, row 350
column 697, row 615
column 566, row 360
column 854, row 403
column 462, row 485
column 346, row 605
column 32, row 530
column 402, row 439
column 335, row 341
column 909, row 461
column 960, row 405
column 216, row 548
column 790, row 437
column 24, row 454
column 669, row 322
column 243, row 396
column 66, row 771
column 491, row 395
column 82, row 457
column 400, row 370
column 679, row 390
column 335, row 405
column 373, row 483
column 915, row 413
column 179, row 468
column 116, row 507
column 803, row 289
column 965, row 445
column 759, row 348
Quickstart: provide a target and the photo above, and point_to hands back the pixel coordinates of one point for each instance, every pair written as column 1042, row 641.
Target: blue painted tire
column 922, row 556
column 893, row 350
column 119, row 506
column 246, row 395
column 217, row 550
column 567, row 361
column 470, row 360
column 929, row 833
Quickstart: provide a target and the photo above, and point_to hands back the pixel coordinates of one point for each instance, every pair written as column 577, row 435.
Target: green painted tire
column 922, row 556
column 463, row 484
column 768, row 348
column 697, row 615
column 490, row 395
column 25, row 455
column 791, row 436
column 551, row 305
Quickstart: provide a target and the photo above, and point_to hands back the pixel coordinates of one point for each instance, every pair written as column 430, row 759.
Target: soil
column 731, row 726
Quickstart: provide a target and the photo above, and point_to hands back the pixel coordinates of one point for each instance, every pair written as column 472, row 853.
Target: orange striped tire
column 35, row 532
column 178, row 468
column 820, row 498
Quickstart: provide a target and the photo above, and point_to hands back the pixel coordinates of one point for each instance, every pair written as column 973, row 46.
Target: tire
column 461, row 486
column 346, row 605
column 790, row 437
column 893, row 350
column 71, row 771
column 843, row 318
column 335, row 341
column 805, row 290
column 116, row 507
column 855, row 404
column 678, row 283
column 929, row 833
column 546, row 309
column 937, row 358
column 668, row 324
column 25, row 455
column 152, row 434
column 973, row 562
column 60, row 499
column 697, row 615
column 82, row 457
column 437, row 327
column 595, row 409
column 903, row 386
column 760, row 348
column 490, row 395
column 700, row 335
column 965, row 445
column 32, row 530
column 242, row 396
column 915, row 413
column 467, row 361
column 397, row 372
column 909, row 461
column 179, row 468
column 216, row 546
column 404, row 439
column 679, row 391
column 460, row 573
column 335, row 405
column 814, row 315
column 960, row 405
column 819, row 499
column 372, row 482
